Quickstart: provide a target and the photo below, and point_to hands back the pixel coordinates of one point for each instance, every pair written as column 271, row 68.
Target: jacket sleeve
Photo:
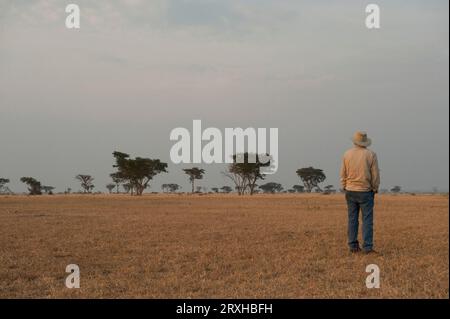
column 375, row 172
column 343, row 174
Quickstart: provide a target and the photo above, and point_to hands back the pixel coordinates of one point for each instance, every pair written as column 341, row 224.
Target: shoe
column 371, row 252
column 355, row 250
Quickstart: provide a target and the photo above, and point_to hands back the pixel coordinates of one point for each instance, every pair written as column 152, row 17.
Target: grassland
column 182, row 246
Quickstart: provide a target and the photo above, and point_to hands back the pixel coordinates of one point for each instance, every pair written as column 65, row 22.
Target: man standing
column 360, row 179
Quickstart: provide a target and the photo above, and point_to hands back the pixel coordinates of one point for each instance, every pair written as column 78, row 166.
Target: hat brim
column 365, row 144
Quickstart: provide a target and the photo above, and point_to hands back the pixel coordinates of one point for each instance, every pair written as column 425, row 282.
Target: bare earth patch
column 224, row 246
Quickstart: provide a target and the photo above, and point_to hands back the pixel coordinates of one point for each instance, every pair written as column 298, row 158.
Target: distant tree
column 3, row 188
column 137, row 172
column 34, row 186
column 226, row 189
column 110, row 187
column 127, row 187
column 117, row 180
column 291, row 191
column 215, row 189
column 194, row 173
column 396, row 189
column 86, row 182
column 311, row 177
column 170, row 188
column 3, row 182
column 48, row 189
column 68, row 190
column 329, row 189
column 271, row 188
column 174, row 187
column 245, row 171
column 298, row 188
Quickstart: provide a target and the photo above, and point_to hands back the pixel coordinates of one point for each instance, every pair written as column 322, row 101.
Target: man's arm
column 343, row 174
column 375, row 172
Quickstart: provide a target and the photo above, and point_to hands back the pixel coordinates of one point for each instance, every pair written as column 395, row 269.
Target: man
column 360, row 179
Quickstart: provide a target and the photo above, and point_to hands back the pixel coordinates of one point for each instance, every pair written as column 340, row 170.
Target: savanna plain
column 219, row 246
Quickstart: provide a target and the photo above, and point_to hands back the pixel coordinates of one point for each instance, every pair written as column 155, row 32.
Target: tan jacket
column 359, row 171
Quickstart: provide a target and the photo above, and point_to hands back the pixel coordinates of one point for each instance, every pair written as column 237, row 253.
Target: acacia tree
column 170, row 188
column 127, row 187
column 3, row 188
column 165, row 188
column 329, row 189
column 86, row 182
column 311, row 177
column 110, row 187
column 138, row 172
column 48, row 189
column 173, row 188
column 271, row 188
column 34, row 186
column 298, row 188
column 396, row 189
column 117, row 180
column 215, row 189
column 245, row 171
column 194, row 173
column 226, row 189
column 3, row 182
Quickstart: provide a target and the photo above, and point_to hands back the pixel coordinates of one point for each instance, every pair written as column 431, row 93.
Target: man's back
column 359, row 171
column 360, row 178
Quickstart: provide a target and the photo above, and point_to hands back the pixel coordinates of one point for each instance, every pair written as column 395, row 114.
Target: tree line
column 135, row 175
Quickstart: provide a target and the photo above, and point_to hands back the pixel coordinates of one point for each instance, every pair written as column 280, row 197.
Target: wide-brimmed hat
column 360, row 138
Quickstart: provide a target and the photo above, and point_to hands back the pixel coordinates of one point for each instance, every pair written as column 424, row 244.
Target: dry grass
column 180, row 246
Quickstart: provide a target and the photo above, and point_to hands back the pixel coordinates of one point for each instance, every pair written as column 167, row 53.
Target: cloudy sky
column 137, row 69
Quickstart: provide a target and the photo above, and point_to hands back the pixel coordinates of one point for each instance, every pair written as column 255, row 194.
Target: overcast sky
column 137, row 69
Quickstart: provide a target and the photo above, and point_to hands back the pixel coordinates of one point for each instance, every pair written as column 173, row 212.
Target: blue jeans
column 355, row 202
